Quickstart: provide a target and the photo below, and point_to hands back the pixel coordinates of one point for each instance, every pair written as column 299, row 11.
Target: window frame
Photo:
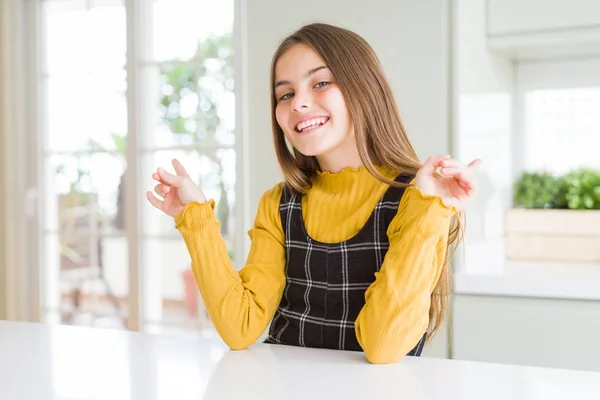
column 25, row 301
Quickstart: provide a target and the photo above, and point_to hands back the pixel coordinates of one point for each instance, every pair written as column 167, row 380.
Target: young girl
column 351, row 251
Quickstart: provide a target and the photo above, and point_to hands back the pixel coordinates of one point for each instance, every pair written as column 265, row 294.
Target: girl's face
column 311, row 110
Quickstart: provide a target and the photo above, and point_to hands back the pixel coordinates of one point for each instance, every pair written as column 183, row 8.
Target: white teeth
column 310, row 123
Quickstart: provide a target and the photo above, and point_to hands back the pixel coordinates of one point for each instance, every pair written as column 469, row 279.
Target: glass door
column 180, row 54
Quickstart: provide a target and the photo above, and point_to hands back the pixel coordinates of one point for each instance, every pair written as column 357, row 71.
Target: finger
column 432, row 163
column 169, row 179
column 154, row 200
column 466, row 186
column 157, row 178
column 162, row 190
column 169, row 197
column 465, row 180
column 463, row 173
column 451, row 171
column 179, row 169
column 475, row 164
column 459, row 191
column 462, row 176
column 452, row 163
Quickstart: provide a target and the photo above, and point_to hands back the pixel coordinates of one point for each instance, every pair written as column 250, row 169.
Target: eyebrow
column 309, row 73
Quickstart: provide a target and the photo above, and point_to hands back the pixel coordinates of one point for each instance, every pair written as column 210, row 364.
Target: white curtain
column 18, row 292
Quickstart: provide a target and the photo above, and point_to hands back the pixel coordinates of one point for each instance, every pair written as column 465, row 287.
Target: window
column 532, row 116
column 181, row 106
column 562, row 129
column 559, row 126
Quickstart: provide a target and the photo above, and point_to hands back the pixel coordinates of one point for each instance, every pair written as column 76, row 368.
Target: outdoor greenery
column 576, row 190
column 198, row 81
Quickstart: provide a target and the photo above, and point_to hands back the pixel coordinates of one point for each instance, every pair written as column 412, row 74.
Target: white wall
column 412, row 41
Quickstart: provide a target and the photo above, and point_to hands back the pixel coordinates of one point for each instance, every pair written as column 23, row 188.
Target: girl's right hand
column 177, row 190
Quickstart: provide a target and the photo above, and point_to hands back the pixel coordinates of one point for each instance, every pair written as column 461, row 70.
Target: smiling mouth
column 311, row 124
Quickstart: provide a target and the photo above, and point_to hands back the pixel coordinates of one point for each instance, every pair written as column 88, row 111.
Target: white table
column 58, row 362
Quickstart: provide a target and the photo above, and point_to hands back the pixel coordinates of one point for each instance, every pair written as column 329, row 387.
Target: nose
column 301, row 101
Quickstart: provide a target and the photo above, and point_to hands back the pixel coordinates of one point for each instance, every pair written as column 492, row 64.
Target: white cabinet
column 543, row 28
column 556, row 333
column 513, row 17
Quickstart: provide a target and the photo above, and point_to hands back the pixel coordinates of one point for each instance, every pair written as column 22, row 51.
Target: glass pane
column 85, row 280
column 85, row 270
column 171, row 295
column 193, row 103
column 76, row 35
column 107, row 47
column 87, row 112
column 214, row 173
column 180, row 24
column 565, row 122
column 87, row 184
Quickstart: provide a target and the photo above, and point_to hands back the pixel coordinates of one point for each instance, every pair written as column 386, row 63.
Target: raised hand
column 177, row 190
column 449, row 179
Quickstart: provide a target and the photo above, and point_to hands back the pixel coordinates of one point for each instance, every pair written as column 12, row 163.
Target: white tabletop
column 58, row 362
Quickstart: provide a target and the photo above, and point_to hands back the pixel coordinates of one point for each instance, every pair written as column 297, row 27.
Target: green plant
column 536, row 190
column 576, row 190
column 582, row 189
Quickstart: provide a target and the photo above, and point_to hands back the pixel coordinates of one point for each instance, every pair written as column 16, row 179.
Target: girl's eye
column 288, row 96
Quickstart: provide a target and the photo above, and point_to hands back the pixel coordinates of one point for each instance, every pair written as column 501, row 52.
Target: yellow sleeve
column 396, row 312
column 240, row 303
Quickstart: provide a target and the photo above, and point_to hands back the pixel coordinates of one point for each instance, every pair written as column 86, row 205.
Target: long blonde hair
column 380, row 135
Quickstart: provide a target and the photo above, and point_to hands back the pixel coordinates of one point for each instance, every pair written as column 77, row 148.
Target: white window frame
column 21, row 280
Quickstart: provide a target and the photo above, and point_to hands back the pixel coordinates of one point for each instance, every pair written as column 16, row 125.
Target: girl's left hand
column 455, row 183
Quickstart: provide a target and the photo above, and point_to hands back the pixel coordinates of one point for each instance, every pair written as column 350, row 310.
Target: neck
column 339, row 158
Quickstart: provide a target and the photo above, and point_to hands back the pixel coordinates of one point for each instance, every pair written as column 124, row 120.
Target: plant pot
column 553, row 235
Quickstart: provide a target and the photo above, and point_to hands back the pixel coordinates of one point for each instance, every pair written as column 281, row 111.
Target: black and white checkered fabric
column 326, row 283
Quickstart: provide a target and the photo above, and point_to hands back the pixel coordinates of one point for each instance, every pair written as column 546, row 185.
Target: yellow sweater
column 242, row 303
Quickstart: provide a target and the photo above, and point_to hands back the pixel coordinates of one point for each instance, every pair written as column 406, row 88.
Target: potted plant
column 555, row 218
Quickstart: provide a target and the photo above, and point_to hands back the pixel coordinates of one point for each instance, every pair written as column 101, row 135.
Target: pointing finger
column 179, row 169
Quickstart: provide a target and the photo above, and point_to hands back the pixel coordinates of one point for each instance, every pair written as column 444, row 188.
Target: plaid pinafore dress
column 326, row 283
